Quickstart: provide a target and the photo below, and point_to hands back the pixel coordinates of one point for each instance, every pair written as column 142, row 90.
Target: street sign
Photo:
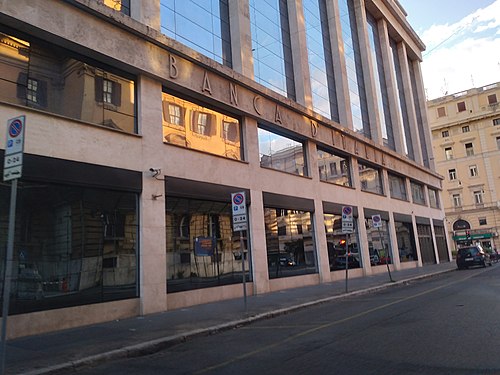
column 14, row 148
column 239, row 210
column 347, row 220
column 377, row 221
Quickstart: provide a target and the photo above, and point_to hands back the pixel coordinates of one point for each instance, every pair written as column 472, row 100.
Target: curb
column 154, row 346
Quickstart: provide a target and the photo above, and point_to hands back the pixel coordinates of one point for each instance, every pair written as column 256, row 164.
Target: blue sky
column 463, row 43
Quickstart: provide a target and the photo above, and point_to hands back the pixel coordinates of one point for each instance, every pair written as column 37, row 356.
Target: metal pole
column 8, row 271
column 243, row 269
column 386, row 255
column 346, row 260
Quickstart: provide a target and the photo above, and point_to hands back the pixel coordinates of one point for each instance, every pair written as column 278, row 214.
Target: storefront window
column 52, row 79
column 334, row 168
column 406, row 241
column 202, row 250
column 290, row 244
column 73, row 246
column 370, row 178
column 337, row 241
column 193, row 126
column 281, row 153
column 379, row 242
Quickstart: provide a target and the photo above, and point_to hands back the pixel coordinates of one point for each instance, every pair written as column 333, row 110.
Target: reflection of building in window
column 370, row 178
column 32, row 90
column 333, row 168
column 417, row 191
column 107, row 91
column 194, row 126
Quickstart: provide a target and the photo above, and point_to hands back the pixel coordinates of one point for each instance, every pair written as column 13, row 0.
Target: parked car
column 493, row 255
column 340, row 262
column 472, row 256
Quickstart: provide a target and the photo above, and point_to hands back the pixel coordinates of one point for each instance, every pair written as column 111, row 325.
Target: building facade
column 142, row 117
column 466, row 139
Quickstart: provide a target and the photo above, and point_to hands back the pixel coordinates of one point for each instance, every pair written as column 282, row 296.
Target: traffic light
column 467, row 234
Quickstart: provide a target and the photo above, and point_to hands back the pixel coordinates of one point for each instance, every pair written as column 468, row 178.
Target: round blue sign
column 238, row 199
column 15, row 128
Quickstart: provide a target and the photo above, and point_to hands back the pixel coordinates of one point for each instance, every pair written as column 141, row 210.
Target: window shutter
column 117, row 94
column 232, row 133
column 99, row 89
column 42, row 91
column 22, row 83
column 212, row 123
column 194, row 120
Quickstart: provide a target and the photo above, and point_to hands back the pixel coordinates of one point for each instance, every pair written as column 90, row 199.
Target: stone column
column 241, row 37
column 410, row 103
column 339, row 65
column 301, row 74
column 392, row 88
column 368, row 76
column 152, row 256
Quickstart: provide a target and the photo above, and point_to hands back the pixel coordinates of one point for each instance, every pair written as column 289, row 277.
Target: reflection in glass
column 290, row 244
column 397, row 186
column 50, row 79
column 379, row 243
column 379, row 81
column 336, row 242
column 370, row 178
column 354, row 69
column 75, row 246
column 271, row 46
column 281, row 153
column 433, row 198
column 417, row 192
column 406, row 241
column 319, row 53
column 202, row 25
column 202, row 250
column 191, row 125
column 334, row 168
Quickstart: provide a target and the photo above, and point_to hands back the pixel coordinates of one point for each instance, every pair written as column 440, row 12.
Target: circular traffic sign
column 238, row 199
column 15, row 128
column 376, row 218
column 347, row 210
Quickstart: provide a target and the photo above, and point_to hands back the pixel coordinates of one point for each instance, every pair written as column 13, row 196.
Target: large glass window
column 281, row 153
column 379, row 244
column 339, row 242
column 272, row 56
column 397, row 186
column 380, row 85
column 202, row 25
column 433, row 198
column 417, row 192
column 320, row 61
column 194, row 126
column 416, row 103
column 202, row 250
column 73, row 246
column 357, row 94
column 370, row 178
column 290, row 244
column 334, row 167
column 52, row 79
column 406, row 241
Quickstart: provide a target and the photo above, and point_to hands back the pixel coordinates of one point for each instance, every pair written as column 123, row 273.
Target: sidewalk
column 62, row 351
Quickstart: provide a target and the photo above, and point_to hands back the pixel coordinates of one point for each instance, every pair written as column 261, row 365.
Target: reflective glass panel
column 339, row 242
column 202, row 25
column 73, row 246
column 281, row 153
column 397, row 186
column 406, row 241
column 194, row 126
column 202, row 250
column 417, row 193
column 379, row 244
column 334, row 168
column 370, row 178
column 290, row 242
column 51, row 79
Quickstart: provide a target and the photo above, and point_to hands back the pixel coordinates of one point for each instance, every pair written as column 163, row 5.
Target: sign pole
column 386, row 255
column 243, row 269
column 8, row 271
column 346, row 260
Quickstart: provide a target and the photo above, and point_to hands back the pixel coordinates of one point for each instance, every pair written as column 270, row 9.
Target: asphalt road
column 448, row 324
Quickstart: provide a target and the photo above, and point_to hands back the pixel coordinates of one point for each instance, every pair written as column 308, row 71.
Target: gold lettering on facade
column 206, row 84
column 277, row 116
column 233, row 93
column 256, row 105
column 174, row 72
column 314, row 129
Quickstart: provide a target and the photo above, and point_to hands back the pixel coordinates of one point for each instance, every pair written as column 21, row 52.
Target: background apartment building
column 306, row 106
column 466, row 139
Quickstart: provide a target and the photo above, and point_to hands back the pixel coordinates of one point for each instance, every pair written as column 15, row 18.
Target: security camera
column 155, row 171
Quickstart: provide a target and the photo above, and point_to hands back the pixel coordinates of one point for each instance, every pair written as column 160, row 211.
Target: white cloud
column 463, row 55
